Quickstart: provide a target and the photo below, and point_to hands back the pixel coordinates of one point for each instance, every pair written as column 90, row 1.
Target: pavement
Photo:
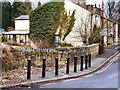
column 97, row 63
column 108, row 78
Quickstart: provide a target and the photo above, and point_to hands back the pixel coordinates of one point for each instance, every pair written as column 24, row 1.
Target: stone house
column 87, row 15
column 112, row 31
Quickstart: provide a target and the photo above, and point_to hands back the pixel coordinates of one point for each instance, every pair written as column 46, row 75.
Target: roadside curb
column 62, row 78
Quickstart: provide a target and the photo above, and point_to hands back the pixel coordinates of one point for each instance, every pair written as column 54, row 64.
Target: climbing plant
column 63, row 24
column 44, row 21
column 95, row 35
column 71, row 22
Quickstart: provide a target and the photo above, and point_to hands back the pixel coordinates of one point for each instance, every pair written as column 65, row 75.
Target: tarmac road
column 108, row 78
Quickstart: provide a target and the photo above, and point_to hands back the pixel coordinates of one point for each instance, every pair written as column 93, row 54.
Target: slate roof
column 23, row 17
column 16, row 33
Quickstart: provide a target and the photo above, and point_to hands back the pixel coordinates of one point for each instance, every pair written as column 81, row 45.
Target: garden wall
column 78, row 51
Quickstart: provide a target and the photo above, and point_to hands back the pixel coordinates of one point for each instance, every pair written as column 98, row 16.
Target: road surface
column 108, row 78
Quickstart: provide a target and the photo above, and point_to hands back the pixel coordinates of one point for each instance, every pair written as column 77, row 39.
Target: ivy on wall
column 95, row 35
column 71, row 22
column 63, row 24
column 44, row 21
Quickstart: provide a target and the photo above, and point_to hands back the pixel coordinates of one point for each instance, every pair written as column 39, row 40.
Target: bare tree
column 112, row 9
column 89, row 33
column 84, row 29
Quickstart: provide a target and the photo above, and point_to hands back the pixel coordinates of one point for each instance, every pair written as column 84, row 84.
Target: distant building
column 22, row 23
column 21, row 32
column 93, row 15
column 119, row 32
column 79, row 2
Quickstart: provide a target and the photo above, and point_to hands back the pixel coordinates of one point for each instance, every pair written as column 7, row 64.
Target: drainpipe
column 113, row 33
column 91, row 23
column 103, row 24
column 107, row 33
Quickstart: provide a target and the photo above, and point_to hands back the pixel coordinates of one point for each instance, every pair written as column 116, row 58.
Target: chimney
column 87, row 7
column 95, row 8
column 95, row 5
column 78, row 3
column 91, row 7
column 99, row 10
column 99, row 5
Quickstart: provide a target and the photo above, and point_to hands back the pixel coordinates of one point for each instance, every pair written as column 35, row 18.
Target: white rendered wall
column 21, row 25
column 83, row 15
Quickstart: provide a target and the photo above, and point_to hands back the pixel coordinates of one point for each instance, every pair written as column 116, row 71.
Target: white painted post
column 18, row 39
column 56, row 39
column 8, row 37
column 27, row 38
column 11, row 38
column 116, row 33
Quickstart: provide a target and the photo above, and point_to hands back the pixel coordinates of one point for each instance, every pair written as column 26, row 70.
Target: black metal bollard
column 89, row 60
column 86, row 59
column 29, row 69
column 67, row 68
column 56, row 66
column 43, row 68
column 75, row 64
column 82, row 62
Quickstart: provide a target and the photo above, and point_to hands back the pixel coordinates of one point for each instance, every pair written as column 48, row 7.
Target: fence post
column 75, row 64
column 82, row 62
column 56, row 66
column 43, row 68
column 29, row 69
column 86, row 59
column 89, row 60
column 67, row 68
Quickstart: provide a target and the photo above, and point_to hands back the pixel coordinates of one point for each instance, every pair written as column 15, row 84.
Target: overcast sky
column 87, row 1
column 98, row 2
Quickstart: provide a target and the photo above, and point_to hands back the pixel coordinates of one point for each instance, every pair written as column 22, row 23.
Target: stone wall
column 64, row 52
